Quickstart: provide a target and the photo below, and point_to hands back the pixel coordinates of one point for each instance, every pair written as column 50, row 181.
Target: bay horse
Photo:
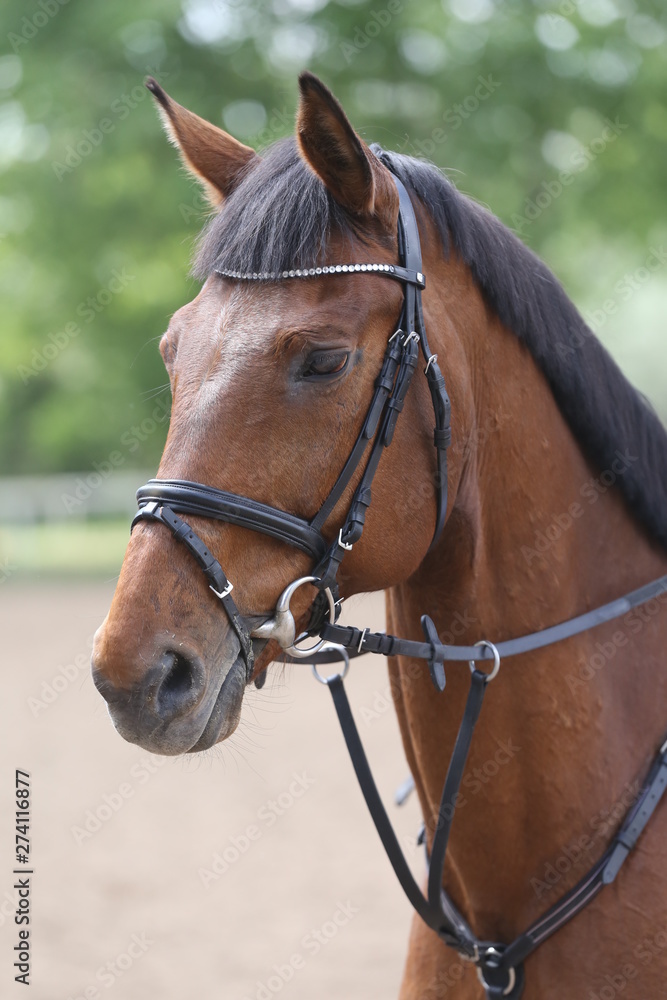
column 556, row 490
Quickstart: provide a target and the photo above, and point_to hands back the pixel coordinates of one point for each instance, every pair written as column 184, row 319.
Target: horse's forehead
column 250, row 318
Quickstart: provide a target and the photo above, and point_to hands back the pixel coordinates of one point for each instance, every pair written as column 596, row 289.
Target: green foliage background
column 79, row 204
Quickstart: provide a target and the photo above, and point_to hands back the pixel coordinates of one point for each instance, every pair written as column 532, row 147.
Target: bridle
column 163, row 499
column 499, row 966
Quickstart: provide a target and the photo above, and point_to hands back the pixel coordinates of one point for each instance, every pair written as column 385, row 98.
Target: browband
column 408, row 275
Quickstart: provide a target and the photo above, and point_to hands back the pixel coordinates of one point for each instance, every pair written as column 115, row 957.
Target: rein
column 499, row 966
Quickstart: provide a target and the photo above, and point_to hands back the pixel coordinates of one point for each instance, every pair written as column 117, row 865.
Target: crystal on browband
column 306, row 272
column 390, row 270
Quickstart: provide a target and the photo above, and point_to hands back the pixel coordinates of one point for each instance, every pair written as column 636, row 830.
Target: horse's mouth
column 226, row 711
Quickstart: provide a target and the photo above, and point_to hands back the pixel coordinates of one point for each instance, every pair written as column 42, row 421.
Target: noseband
column 499, row 966
column 164, row 499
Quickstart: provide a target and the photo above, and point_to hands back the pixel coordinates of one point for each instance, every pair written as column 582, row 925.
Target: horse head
column 271, row 382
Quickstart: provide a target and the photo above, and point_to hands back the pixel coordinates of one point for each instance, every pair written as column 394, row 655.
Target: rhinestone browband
column 306, row 272
column 394, row 271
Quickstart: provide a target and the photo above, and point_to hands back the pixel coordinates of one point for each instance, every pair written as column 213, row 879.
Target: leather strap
column 606, row 869
column 436, row 909
column 384, row 384
column 205, row 501
column 391, row 387
column 446, row 921
column 453, row 783
column 383, row 825
column 500, row 966
column 213, row 571
column 364, row 641
column 410, row 249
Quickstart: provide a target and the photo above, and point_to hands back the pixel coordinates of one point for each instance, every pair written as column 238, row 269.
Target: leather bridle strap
column 436, row 909
column 394, row 380
column 499, row 966
column 605, row 871
column 389, row 394
column 430, row 915
column 359, row 641
column 213, row 571
column 412, row 335
column 204, row 501
column 410, row 248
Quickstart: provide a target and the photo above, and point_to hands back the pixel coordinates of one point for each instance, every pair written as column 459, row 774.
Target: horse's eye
column 323, row 363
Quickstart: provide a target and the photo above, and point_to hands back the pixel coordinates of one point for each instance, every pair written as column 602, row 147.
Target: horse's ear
column 330, row 146
column 216, row 159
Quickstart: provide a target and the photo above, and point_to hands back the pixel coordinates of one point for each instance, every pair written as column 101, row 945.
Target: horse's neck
column 536, row 536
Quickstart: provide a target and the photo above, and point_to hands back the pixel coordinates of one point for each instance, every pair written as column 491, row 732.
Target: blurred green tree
column 550, row 113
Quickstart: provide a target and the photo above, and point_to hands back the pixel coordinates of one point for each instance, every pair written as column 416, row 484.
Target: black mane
column 281, row 216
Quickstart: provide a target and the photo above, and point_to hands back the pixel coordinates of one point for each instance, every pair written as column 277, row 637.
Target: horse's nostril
column 179, row 682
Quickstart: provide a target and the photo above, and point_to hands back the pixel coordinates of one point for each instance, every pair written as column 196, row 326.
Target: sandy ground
column 128, row 901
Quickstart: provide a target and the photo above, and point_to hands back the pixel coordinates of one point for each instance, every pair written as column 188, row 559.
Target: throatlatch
column 499, row 966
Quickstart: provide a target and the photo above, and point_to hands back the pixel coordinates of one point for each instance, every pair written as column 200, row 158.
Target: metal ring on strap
column 496, row 660
column 511, row 973
column 283, row 606
column 333, row 677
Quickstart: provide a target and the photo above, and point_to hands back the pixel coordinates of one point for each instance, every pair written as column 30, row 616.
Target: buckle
column 344, row 545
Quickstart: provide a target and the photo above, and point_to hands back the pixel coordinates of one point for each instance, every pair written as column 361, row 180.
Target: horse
column 556, row 490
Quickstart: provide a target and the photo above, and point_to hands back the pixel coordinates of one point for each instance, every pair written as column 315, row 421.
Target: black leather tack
column 159, row 500
column 436, row 664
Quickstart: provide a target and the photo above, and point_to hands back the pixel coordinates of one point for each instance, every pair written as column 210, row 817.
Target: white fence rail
column 31, row 499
